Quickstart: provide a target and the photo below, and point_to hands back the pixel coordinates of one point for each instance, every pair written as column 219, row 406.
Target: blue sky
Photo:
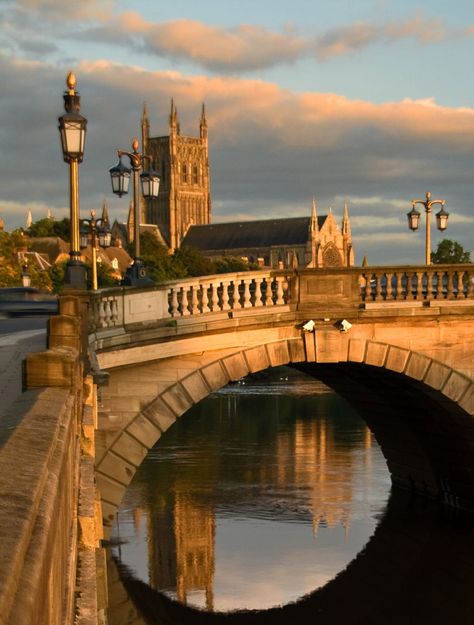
column 369, row 101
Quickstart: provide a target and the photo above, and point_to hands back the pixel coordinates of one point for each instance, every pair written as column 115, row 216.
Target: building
column 183, row 165
column 182, row 212
column 294, row 242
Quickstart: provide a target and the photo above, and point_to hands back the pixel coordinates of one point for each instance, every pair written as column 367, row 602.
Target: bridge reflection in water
column 259, row 495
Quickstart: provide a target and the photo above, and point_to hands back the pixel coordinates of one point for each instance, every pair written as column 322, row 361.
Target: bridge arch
column 434, row 460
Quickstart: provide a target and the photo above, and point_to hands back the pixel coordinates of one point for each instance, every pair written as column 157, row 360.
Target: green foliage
column 193, row 262
column 56, row 273
column 105, row 275
column 50, row 228
column 10, row 267
column 185, row 262
column 230, row 264
column 450, row 252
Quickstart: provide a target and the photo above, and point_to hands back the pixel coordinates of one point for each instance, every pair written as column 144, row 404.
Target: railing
column 220, row 293
column 309, row 289
column 436, row 282
column 198, row 296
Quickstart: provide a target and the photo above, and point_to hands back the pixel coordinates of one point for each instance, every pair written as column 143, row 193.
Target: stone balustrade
column 325, row 289
column 428, row 283
column 197, row 296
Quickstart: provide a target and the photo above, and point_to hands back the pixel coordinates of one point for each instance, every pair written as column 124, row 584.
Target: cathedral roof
column 250, row 234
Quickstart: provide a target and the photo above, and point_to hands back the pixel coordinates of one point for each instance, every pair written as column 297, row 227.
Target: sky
column 365, row 101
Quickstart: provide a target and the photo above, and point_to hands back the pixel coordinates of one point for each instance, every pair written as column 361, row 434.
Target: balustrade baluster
column 204, row 298
column 174, row 306
column 214, row 297
column 101, row 313
column 268, row 292
column 235, row 301
column 389, row 289
column 247, row 303
column 395, row 286
column 114, row 307
column 378, row 287
column 427, row 278
column 184, row 301
column 108, row 313
column 279, row 293
column 469, row 279
column 257, row 298
column 194, row 300
column 225, row 295
column 450, row 284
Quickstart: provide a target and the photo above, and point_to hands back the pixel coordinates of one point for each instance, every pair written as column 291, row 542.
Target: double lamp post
column 72, row 130
column 441, row 220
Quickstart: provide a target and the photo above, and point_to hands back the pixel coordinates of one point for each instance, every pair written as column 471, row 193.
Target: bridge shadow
column 416, row 569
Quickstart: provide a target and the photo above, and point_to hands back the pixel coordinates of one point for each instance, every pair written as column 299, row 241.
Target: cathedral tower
column 183, row 166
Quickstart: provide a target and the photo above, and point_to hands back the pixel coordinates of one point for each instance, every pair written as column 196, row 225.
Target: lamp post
column 25, row 274
column 90, row 228
column 441, row 219
column 72, row 130
column 120, row 178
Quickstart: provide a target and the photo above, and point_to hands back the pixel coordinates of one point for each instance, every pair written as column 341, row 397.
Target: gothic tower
column 183, row 166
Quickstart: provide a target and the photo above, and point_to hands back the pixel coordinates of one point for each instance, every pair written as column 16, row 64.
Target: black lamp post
column 120, row 178
column 90, row 230
column 441, row 220
column 72, row 130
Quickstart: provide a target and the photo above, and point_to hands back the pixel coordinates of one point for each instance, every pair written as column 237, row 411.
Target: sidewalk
column 13, row 349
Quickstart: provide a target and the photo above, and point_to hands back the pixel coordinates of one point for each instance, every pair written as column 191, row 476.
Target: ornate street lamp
column 150, row 181
column 441, row 219
column 72, row 130
column 90, row 230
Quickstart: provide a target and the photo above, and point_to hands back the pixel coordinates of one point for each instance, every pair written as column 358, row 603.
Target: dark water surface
column 257, row 496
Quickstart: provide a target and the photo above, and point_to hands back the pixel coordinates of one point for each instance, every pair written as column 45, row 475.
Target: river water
column 260, row 494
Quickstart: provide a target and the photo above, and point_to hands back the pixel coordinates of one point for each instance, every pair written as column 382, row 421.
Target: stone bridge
column 123, row 364
column 406, row 362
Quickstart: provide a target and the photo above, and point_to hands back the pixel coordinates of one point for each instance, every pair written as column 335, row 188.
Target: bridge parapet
column 192, row 297
column 267, row 291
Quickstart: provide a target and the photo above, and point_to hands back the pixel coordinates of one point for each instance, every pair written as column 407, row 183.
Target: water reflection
column 262, row 493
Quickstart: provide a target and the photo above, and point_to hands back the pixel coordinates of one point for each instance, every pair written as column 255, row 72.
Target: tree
column 49, row 228
column 450, row 252
column 10, row 266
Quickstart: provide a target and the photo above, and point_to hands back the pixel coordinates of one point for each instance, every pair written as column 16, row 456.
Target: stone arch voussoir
column 118, row 466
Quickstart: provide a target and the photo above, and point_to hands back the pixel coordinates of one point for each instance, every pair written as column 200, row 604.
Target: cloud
column 271, row 150
column 247, row 47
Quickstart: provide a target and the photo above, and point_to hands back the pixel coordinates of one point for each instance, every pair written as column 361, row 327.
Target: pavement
column 14, row 348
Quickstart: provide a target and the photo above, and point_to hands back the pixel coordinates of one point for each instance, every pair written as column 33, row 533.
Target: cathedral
column 182, row 212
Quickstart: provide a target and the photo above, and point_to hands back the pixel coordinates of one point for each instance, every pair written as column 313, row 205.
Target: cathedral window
column 184, row 173
column 195, row 175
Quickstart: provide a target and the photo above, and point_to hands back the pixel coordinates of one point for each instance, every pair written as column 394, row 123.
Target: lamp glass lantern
column 120, row 178
column 72, row 130
column 442, row 219
column 84, row 236
column 105, row 236
column 413, row 219
column 150, row 184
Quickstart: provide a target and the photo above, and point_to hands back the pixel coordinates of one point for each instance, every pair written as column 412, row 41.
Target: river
column 260, row 494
